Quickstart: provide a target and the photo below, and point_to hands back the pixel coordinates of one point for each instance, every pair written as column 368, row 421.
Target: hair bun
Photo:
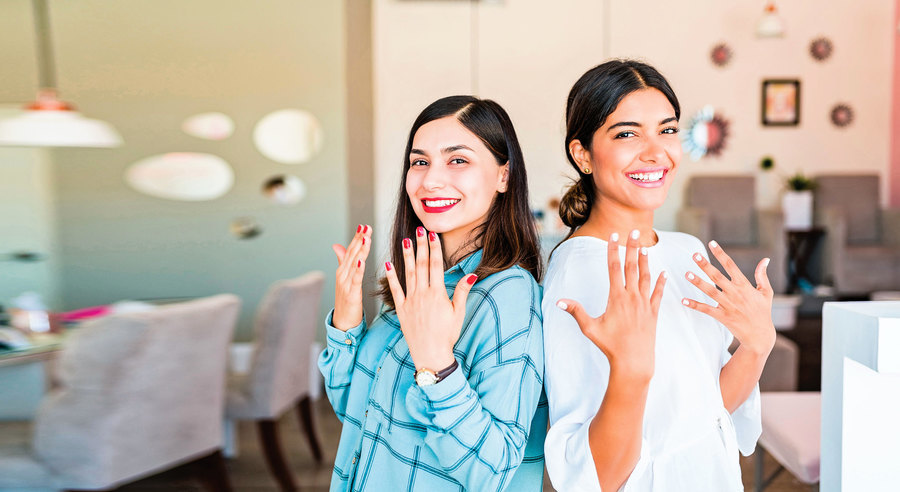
column 575, row 206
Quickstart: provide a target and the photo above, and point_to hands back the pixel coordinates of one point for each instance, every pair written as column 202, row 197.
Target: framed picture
column 781, row 102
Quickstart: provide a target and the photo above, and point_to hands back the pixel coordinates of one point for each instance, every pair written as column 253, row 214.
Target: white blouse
column 690, row 442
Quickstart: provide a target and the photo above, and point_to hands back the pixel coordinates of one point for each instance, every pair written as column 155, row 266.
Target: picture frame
column 781, row 102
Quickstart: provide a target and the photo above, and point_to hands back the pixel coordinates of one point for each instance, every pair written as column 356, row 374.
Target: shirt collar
column 463, row 268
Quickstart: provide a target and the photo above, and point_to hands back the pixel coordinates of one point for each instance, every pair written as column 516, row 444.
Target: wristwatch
column 427, row 377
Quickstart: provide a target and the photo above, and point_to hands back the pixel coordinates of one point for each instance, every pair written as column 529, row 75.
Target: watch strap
column 443, row 373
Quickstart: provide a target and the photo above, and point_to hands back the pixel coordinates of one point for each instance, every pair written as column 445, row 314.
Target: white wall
column 530, row 52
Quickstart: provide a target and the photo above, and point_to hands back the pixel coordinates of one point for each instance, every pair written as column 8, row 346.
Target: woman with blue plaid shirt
column 443, row 390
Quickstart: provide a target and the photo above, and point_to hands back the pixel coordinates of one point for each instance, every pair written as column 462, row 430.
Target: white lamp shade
column 770, row 26
column 56, row 128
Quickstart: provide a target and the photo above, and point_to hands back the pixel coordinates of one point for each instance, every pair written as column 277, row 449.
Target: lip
column 652, row 184
column 438, row 210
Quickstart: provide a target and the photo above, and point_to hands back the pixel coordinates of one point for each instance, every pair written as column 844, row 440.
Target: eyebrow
column 632, row 123
column 446, row 150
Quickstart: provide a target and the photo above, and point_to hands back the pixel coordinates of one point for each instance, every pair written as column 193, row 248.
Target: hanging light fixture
column 770, row 24
column 48, row 121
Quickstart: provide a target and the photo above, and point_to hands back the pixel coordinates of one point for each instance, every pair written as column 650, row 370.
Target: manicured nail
column 420, row 231
column 432, row 236
column 364, row 241
column 365, row 229
column 471, row 280
column 664, row 274
column 614, row 238
column 388, row 266
column 562, row 305
column 358, row 228
column 690, row 276
column 686, row 302
column 765, row 262
column 635, row 234
column 643, row 251
column 697, row 257
column 713, row 244
column 407, row 243
column 358, row 263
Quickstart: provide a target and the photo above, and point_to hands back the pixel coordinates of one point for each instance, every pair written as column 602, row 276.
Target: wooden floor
column 248, row 471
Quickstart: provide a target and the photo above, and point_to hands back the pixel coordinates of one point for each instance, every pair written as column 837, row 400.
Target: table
column 24, row 377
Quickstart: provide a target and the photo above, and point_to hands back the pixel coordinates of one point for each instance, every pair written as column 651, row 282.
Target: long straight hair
column 508, row 235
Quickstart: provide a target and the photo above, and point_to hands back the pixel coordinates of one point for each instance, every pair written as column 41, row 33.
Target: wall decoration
column 720, row 55
column 841, row 115
column 288, row 136
column 209, row 126
column 767, row 163
column 245, row 228
column 184, row 176
column 821, row 48
column 284, row 189
column 770, row 24
column 781, row 102
column 705, row 134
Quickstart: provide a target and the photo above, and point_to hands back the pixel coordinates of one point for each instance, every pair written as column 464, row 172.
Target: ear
column 503, row 182
column 581, row 155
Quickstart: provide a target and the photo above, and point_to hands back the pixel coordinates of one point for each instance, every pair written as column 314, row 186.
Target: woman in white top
column 643, row 392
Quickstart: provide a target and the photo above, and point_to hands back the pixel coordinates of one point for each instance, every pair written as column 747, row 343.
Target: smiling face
column 634, row 155
column 452, row 179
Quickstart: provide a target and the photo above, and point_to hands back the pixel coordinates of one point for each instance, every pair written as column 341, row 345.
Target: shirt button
column 354, row 460
column 378, row 370
column 348, row 342
column 367, row 413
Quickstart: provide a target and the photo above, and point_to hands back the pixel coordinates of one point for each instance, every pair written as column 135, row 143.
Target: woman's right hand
column 348, row 307
column 626, row 332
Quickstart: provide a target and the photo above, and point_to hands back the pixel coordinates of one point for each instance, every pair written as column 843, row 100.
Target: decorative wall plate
column 720, row 55
column 209, row 126
column 284, row 189
column 821, row 48
column 288, row 136
column 841, row 115
column 706, row 134
column 183, row 176
column 245, row 228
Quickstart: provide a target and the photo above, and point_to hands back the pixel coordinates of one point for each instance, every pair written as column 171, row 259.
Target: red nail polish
column 358, row 263
column 365, row 229
column 387, row 266
column 420, row 231
column 432, row 236
column 407, row 243
column 364, row 241
column 471, row 280
column 358, row 228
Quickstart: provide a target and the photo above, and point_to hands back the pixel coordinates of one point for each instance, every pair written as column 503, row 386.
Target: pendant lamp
column 770, row 24
column 48, row 121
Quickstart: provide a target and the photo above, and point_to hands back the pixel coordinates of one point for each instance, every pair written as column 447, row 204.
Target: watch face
column 425, row 378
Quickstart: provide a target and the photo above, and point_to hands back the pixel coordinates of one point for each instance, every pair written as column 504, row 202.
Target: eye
column 418, row 162
column 626, row 134
column 671, row 130
column 458, row 160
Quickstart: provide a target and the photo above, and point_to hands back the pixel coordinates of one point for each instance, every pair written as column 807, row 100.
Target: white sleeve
column 747, row 418
column 576, row 375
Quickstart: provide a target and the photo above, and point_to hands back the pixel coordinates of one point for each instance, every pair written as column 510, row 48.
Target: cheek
column 412, row 184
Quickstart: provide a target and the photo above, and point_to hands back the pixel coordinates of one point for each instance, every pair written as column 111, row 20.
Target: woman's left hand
column 430, row 321
column 744, row 309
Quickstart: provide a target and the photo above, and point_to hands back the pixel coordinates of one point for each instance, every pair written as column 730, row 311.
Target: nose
column 435, row 177
column 654, row 151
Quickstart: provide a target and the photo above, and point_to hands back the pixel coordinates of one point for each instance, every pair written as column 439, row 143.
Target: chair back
column 138, row 392
column 857, row 197
column 285, row 328
column 731, row 204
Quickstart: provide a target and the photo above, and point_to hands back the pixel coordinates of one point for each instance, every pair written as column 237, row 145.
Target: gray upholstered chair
column 724, row 208
column 285, row 328
column 139, row 393
column 862, row 240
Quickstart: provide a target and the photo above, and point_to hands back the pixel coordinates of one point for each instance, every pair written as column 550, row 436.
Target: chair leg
column 305, row 413
column 211, row 472
column 758, row 458
column 268, row 435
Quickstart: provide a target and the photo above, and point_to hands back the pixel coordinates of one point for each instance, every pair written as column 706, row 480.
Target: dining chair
column 278, row 380
column 137, row 394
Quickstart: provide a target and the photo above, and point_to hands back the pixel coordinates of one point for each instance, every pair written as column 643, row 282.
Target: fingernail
column 562, row 305
column 471, row 280
column 358, row 263
column 635, row 234
column 365, row 229
column 420, row 231
column 432, row 236
column 614, row 238
column 765, row 262
column 358, row 228
column 388, row 266
column 665, row 274
column 713, row 244
column 686, row 302
column 643, row 251
column 698, row 257
column 407, row 243
column 690, row 276
column 364, row 241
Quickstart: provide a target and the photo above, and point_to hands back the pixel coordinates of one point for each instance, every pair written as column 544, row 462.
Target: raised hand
column 626, row 332
column 430, row 321
column 348, row 307
column 744, row 309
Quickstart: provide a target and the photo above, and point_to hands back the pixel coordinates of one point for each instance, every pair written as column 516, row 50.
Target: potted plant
column 797, row 202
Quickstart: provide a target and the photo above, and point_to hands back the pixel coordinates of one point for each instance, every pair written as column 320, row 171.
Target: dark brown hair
column 594, row 97
column 508, row 235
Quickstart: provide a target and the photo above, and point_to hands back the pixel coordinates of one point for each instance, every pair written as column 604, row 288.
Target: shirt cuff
column 443, row 404
column 340, row 339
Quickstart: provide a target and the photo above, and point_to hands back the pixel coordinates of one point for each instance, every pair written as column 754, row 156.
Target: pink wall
column 895, row 129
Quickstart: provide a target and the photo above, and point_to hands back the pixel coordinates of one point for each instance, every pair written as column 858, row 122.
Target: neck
column 456, row 245
column 608, row 217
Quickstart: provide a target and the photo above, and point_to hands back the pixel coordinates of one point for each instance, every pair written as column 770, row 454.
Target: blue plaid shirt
column 480, row 429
